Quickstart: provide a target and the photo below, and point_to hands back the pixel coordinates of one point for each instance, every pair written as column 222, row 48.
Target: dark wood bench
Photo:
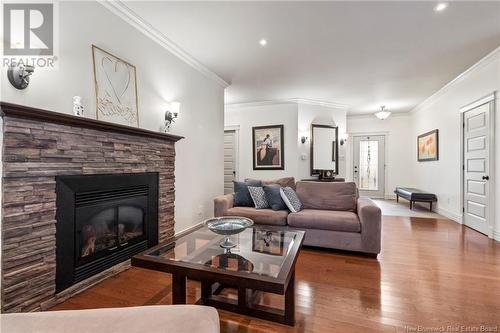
column 415, row 195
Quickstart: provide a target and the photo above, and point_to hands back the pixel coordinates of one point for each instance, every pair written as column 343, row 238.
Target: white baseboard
column 496, row 235
column 187, row 230
column 452, row 216
column 390, row 196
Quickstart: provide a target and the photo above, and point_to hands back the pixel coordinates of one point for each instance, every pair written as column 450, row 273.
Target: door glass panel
column 368, row 165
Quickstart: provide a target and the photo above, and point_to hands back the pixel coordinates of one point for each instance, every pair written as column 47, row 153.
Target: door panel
column 476, row 167
column 229, row 160
column 478, row 143
column 476, row 209
column 369, row 165
column 476, row 187
column 476, row 122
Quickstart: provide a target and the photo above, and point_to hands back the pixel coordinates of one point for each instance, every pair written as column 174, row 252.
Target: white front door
column 476, row 143
column 369, row 165
column 229, row 160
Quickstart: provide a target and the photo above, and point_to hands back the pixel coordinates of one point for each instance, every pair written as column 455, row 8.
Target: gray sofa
column 333, row 216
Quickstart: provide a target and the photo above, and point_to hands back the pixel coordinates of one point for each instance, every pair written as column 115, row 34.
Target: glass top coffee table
column 263, row 260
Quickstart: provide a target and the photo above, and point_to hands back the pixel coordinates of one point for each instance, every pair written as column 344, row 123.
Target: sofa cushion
column 328, row 196
column 151, row 318
column 284, row 182
column 325, row 220
column 241, row 195
column 259, row 216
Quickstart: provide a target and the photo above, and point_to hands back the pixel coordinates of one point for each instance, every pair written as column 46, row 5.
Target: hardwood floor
column 431, row 273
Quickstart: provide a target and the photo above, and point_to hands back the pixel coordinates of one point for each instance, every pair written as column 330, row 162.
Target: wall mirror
column 324, row 148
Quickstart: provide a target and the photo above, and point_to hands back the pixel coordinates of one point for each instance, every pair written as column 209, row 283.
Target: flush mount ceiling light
column 382, row 114
column 441, row 6
column 263, row 42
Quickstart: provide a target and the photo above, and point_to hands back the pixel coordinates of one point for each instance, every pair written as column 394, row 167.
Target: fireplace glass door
column 108, row 225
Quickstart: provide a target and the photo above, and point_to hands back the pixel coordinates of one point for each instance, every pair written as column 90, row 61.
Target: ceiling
column 362, row 54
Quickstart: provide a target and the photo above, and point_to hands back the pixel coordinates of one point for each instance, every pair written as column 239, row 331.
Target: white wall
column 275, row 114
column 400, row 147
column 161, row 77
column 322, row 115
column 297, row 120
column 442, row 111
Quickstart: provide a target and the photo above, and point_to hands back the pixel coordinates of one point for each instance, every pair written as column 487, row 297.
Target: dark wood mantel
column 26, row 112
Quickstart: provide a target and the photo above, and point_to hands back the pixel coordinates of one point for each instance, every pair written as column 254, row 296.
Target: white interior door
column 369, row 165
column 476, row 143
column 229, row 160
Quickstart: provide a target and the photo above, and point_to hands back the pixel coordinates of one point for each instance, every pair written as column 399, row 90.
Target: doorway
column 477, row 165
column 369, row 165
column 230, row 159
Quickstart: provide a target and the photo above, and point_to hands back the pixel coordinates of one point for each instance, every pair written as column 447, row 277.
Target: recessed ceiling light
column 263, row 42
column 441, row 6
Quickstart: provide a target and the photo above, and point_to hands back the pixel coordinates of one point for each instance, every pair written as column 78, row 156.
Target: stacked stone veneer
column 34, row 152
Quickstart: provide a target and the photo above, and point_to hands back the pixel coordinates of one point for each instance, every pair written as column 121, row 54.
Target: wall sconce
column 19, row 75
column 171, row 114
column 303, row 139
column 343, row 138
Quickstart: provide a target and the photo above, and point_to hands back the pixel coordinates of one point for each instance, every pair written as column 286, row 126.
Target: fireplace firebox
column 102, row 220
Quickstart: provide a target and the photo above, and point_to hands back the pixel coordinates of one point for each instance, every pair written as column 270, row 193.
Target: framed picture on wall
column 428, row 146
column 268, row 147
column 115, row 88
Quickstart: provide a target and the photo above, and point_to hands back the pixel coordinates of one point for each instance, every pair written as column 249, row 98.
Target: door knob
column 486, row 178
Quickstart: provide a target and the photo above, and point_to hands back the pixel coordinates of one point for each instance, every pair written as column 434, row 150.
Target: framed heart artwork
column 116, row 89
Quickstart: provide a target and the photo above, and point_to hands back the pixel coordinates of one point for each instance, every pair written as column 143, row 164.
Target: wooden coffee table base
column 201, row 258
column 246, row 303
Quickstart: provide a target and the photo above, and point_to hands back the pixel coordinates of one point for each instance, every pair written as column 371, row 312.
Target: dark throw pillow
column 242, row 197
column 273, row 197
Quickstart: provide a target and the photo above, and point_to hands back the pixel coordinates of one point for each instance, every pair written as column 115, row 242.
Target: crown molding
column 306, row 101
column 486, row 60
column 256, row 104
column 120, row 9
column 328, row 104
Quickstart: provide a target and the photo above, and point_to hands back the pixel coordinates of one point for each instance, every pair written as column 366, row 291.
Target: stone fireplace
column 45, row 155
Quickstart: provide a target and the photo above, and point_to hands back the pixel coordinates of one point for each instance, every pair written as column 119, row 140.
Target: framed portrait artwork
column 115, row 88
column 268, row 147
column 428, row 146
